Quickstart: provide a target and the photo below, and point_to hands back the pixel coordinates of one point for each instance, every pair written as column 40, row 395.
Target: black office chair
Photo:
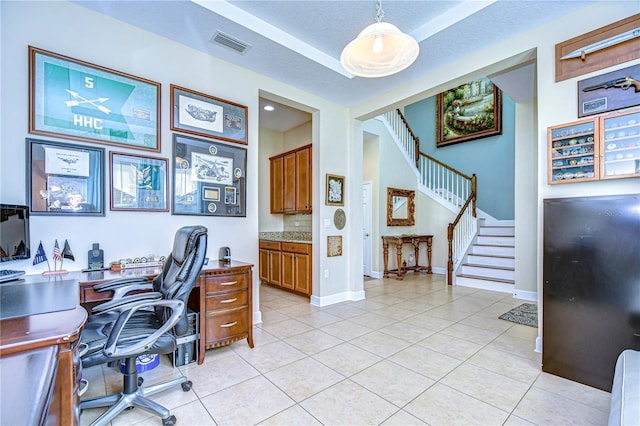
column 144, row 323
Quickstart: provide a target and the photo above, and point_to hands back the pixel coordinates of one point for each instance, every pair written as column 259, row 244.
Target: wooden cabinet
column 605, row 147
column 277, row 184
column 296, row 267
column 290, row 180
column 294, row 271
column 270, row 262
column 225, row 305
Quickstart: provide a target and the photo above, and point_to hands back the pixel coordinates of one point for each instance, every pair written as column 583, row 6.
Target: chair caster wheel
column 186, row 386
column 140, row 381
column 169, row 421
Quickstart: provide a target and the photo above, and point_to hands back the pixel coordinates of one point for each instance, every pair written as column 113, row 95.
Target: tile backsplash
column 297, row 222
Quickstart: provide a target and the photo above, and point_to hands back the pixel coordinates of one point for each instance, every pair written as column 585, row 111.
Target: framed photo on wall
column 209, row 178
column 470, row 111
column 138, row 183
column 203, row 115
column 335, row 190
column 64, row 179
column 77, row 100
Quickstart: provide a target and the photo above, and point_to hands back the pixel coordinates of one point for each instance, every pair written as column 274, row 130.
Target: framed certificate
column 77, row 100
column 64, row 179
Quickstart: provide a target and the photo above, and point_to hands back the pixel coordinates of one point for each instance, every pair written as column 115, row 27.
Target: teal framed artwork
column 81, row 101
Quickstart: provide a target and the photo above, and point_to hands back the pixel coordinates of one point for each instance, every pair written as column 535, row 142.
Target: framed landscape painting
column 470, row 111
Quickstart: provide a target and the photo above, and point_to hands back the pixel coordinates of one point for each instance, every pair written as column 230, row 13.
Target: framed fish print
column 203, row 115
column 64, row 179
column 81, row 101
column 138, row 183
column 209, row 178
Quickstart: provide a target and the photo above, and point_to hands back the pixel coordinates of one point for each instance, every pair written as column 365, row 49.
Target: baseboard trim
column 257, row 317
column 531, row 296
column 347, row 296
column 376, row 274
column 538, row 344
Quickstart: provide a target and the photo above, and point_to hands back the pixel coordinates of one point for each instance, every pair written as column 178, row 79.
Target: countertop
column 287, row 236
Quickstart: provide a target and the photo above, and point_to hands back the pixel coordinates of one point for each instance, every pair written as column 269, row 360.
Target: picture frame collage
column 83, row 102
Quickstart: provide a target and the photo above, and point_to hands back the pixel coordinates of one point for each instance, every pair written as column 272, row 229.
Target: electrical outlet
column 296, row 223
column 326, row 273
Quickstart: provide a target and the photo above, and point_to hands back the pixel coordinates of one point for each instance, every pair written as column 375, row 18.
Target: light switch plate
column 327, row 223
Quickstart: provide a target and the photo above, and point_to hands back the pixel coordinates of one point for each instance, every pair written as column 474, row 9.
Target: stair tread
column 502, row 268
column 478, row 277
column 496, row 235
column 497, row 226
column 494, row 245
column 492, row 255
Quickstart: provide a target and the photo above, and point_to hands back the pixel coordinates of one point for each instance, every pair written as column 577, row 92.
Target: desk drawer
column 226, row 324
column 225, row 283
column 226, row 300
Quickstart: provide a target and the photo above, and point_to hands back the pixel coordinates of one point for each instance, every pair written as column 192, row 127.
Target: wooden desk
column 223, row 297
column 40, row 312
column 399, row 241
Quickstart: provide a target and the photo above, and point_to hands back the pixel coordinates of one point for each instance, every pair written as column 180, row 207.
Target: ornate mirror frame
column 401, row 221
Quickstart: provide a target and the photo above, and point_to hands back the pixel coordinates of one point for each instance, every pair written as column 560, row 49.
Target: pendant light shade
column 380, row 50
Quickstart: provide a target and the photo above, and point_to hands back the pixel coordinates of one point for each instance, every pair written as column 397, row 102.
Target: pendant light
column 380, row 50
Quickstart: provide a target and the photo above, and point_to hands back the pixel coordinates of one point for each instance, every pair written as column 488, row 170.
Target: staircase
column 489, row 246
column 490, row 262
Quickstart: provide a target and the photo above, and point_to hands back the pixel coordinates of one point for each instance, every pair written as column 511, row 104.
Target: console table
column 399, row 241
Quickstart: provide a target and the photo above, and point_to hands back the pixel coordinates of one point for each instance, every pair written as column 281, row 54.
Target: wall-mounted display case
column 605, row 147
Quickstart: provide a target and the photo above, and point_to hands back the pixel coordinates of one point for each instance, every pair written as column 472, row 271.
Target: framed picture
column 470, row 111
column 138, row 183
column 208, row 116
column 64, row 179
column 77, row 100
column 209, row 178
column 334, row 245
column 335, row 190
column 609, row 92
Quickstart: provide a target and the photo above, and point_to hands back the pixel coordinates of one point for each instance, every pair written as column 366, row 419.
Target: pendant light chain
column 379, row 11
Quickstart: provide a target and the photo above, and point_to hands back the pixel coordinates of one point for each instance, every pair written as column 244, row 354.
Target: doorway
column 367, row 227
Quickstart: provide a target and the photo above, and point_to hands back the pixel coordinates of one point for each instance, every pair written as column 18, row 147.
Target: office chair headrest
column 186, row 237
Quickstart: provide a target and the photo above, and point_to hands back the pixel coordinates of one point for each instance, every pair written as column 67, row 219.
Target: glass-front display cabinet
column 605, row 147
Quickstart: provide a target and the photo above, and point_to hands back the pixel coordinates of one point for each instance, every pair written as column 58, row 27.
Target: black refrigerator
column 591, row 286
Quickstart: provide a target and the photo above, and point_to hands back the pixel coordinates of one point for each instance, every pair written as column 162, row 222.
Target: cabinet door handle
column 229, row 324
column 229, row 283
column 229, row 300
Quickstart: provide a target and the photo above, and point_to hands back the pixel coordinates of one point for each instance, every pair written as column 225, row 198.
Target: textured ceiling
column 299, row 42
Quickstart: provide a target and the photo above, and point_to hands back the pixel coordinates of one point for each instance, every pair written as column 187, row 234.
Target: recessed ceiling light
column 269, row 108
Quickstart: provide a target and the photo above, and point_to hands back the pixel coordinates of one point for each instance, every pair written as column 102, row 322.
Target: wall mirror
column 400, row 207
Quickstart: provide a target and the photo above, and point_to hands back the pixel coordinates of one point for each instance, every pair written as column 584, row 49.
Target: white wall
column 77, row 32
column 393, row 171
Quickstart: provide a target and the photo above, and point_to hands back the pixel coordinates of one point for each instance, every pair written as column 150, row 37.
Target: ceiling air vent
column 230, row 42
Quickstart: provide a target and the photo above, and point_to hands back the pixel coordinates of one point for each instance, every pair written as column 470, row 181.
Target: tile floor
column 414, row 352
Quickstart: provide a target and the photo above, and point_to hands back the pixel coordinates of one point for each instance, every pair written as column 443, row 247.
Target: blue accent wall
column 492, row 159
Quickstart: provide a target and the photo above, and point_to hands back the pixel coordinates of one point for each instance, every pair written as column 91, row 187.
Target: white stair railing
column 456, row 189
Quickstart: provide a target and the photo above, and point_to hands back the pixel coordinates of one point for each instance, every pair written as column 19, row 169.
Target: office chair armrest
column 113, row 284
column 114, row 350
column 125, row 302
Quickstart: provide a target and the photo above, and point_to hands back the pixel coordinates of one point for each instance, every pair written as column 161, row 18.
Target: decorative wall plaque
column 334, row 245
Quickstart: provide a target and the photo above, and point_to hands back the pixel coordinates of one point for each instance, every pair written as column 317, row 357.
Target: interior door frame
column 367, row 248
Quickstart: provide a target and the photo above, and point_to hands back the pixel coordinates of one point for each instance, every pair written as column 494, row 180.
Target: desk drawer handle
column 229, row 300
column 84, row 385
column 230, row 324
column 230, row 283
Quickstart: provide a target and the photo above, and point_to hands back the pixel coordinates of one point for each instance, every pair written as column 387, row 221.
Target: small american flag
column 56, row 252
column 40, row 255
